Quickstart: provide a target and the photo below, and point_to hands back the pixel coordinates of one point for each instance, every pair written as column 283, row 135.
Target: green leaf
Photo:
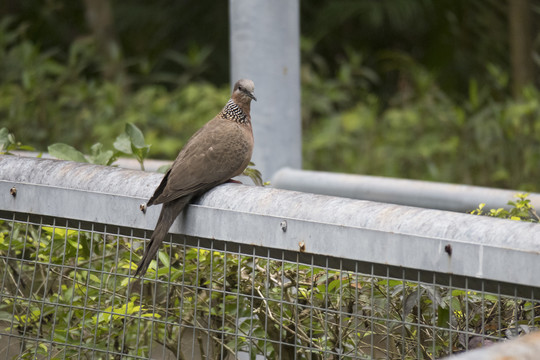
column 333, row 284
column 100, row 157
column 85, row 246
column 443, row 317
column 123, row 143
column 136, row 136
column 164, row 257
column 66, row 152
column 103, row 158
column 140, row 153
column 254, row 174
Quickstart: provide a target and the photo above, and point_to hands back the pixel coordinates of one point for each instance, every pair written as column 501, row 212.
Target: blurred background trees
column 442, row 90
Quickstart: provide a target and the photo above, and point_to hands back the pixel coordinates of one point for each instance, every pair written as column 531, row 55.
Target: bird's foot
column 234, row 181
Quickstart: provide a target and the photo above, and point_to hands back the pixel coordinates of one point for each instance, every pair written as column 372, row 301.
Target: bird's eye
column 240, row 88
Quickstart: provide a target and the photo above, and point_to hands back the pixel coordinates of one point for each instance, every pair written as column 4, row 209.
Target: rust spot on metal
column 302, row 246
column 448, row 249
column 142, row 207
column 13, row 191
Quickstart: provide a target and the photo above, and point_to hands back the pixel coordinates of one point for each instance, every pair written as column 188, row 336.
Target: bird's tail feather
column 168, row 214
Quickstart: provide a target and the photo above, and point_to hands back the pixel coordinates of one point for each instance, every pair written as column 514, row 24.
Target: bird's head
column 243, row 92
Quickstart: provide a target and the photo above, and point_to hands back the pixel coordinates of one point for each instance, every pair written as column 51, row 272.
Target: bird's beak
column 250, row 94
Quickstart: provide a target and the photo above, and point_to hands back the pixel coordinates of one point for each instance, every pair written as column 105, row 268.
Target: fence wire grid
column 67, row 292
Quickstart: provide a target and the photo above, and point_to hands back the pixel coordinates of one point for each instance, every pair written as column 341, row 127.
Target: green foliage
column 86, row 285
column 370, row 105
column 90, row 298
column 45, row 100
column 66, row 152
column 255, row 175
column 8, row 143
column 453, row 39
column 129, row 143
column 169, row 118
column 520, row 210
column 419, row 131
column 423, row 133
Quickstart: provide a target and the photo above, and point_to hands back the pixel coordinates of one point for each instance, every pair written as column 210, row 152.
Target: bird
column 216, row 153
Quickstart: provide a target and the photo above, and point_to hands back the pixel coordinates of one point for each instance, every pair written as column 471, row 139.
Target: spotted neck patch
column 233, row 112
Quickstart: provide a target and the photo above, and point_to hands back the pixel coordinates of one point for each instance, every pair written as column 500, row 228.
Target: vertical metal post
column 265, row 47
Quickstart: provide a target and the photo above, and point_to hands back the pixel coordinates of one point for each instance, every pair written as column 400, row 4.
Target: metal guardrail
column 360, row 230
column 365, row 251
column 151, row 165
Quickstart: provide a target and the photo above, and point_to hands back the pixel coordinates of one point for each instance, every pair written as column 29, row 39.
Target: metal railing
column 424, row 194
column 249, row 273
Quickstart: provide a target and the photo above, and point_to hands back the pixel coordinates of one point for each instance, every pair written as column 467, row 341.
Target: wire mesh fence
column 67, row 292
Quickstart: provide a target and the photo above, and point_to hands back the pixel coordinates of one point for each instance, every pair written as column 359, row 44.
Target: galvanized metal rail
column 400, row 236
column 426, row 194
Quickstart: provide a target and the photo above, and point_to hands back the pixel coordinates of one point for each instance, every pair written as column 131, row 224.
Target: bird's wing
column 214, row 154
column 159, row 189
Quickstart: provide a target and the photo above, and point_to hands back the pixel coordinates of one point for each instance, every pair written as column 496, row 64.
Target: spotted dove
column 217, row 152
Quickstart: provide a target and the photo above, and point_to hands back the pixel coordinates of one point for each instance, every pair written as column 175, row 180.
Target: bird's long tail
column 168, row 214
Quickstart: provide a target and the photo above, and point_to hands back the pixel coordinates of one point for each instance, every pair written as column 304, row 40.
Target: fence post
column 265, row 47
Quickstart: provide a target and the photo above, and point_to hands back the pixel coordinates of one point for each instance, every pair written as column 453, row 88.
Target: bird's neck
column 236, row 112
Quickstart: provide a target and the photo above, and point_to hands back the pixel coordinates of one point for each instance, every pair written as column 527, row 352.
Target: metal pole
column 425, row 194
column 265, row 48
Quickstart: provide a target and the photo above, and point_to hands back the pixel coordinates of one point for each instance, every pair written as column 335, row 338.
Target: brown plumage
column 219, row 151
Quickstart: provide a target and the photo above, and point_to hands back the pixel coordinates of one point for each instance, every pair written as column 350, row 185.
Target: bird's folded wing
column 211, row 157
